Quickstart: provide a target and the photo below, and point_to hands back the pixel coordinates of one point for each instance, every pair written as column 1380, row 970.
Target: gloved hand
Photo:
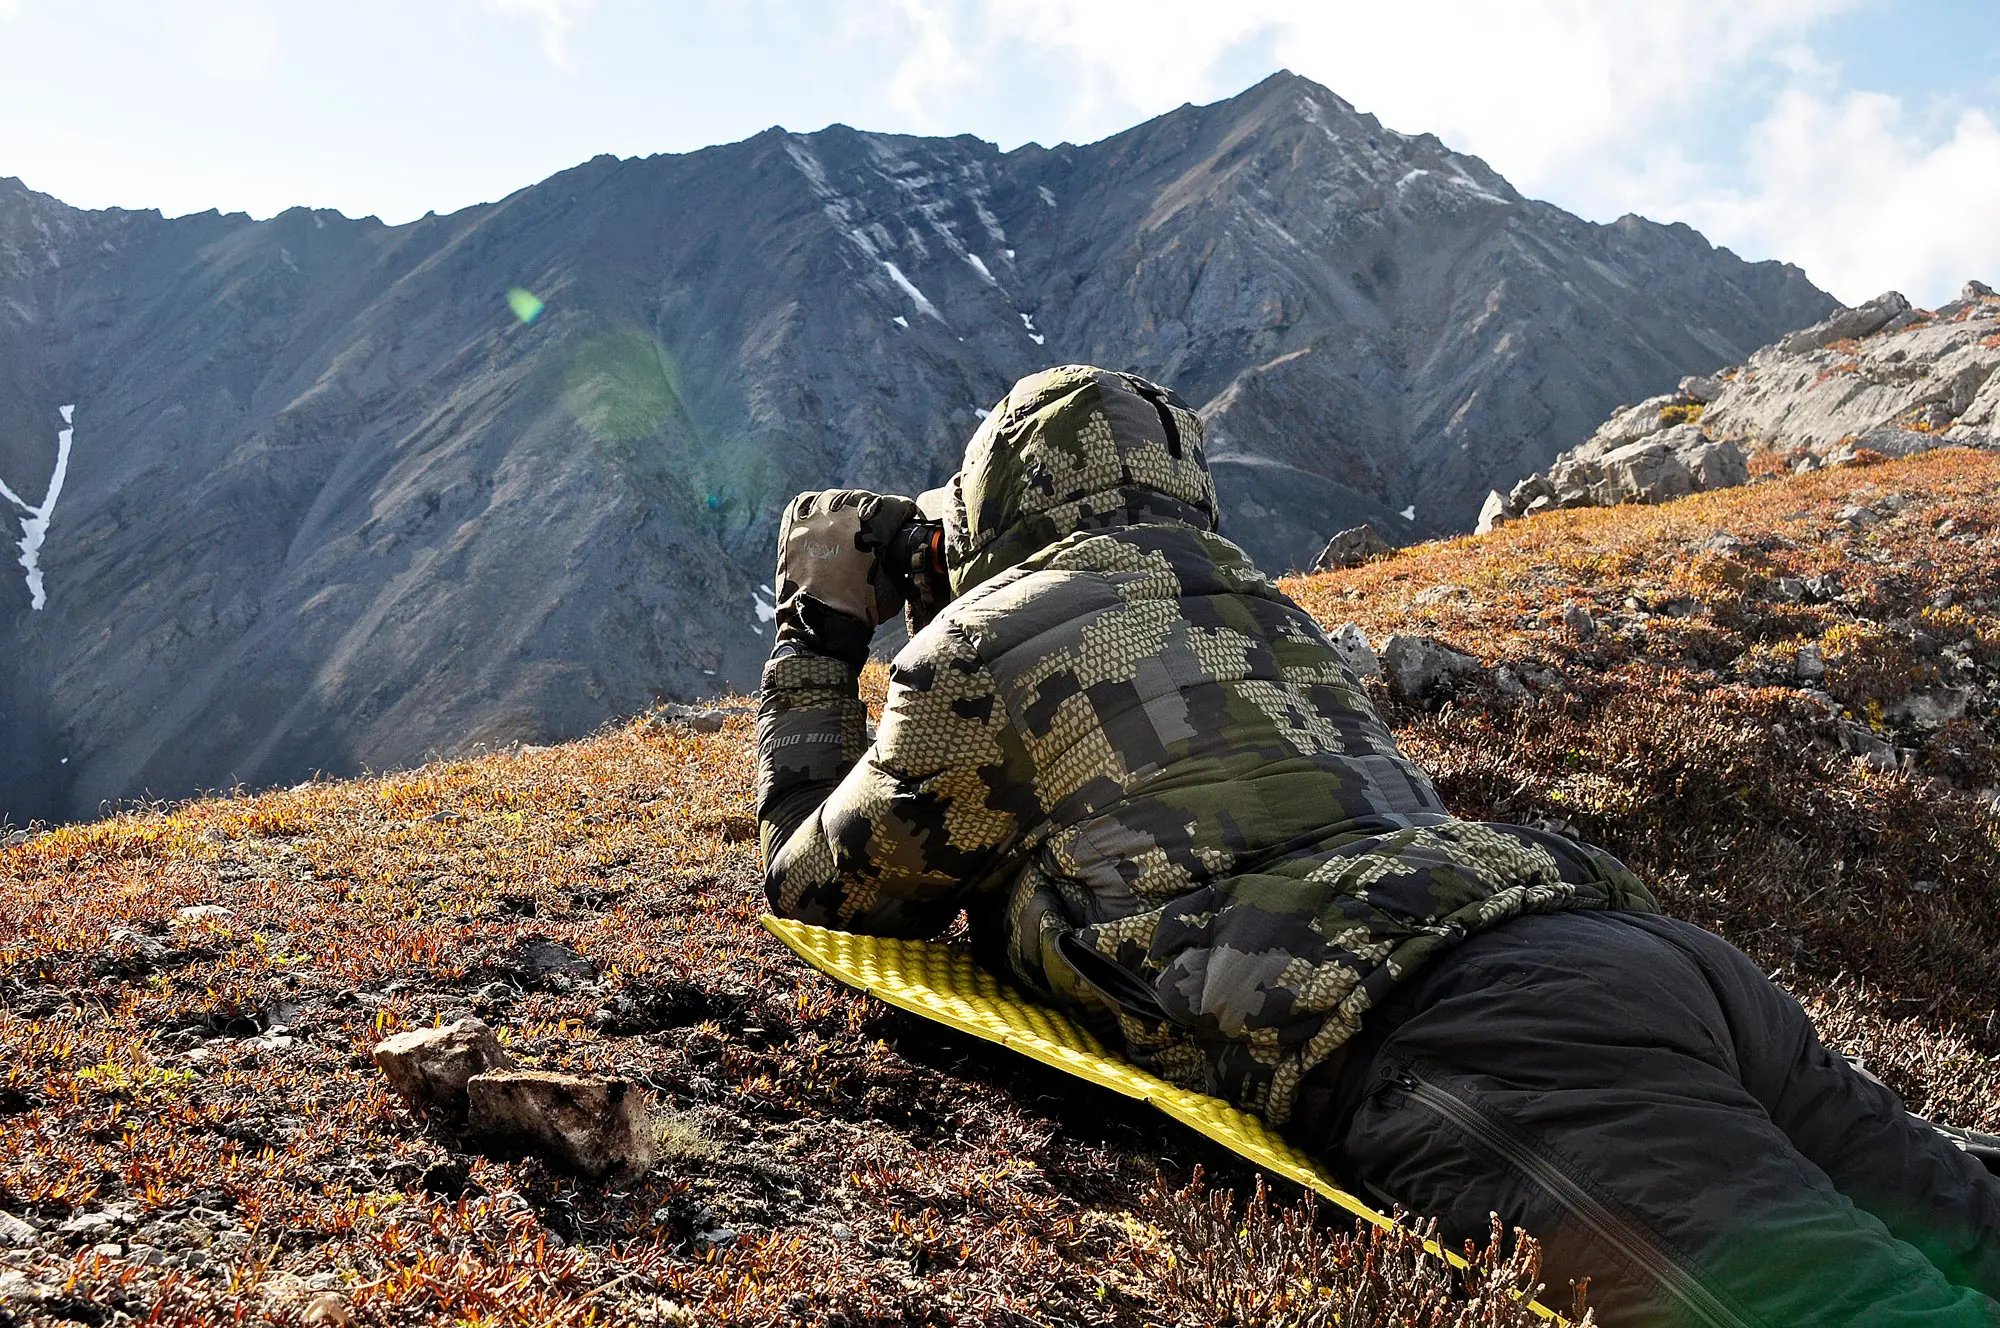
column 832, row 589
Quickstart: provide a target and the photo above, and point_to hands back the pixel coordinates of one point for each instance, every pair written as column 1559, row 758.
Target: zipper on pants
column 1620, row 1234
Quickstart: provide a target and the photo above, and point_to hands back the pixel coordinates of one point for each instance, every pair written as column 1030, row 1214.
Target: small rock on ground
column 429, row 1067
column 16, row 1233
column 1351, row 548
column 1416, row 664
column 591, row 1125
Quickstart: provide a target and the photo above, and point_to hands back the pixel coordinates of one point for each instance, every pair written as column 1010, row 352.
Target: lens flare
column 526, row 305
column 623, row 386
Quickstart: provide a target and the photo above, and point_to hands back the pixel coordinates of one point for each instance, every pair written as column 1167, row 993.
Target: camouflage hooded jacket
column 1142, row 771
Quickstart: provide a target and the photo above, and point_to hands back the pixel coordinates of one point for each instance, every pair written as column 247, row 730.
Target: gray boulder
column 1715, row 464
column 1857, row 322
column 1416, row 665
column 1648, row 471
column 594, row 1126
column 430, row 1067
column 1702, row 388
column 1351, row 548
column 1492, row 513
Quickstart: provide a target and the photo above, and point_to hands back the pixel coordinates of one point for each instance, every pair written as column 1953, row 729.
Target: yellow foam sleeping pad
column 944, row 983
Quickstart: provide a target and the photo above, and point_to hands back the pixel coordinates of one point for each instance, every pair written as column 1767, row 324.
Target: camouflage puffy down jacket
column 1142, row 771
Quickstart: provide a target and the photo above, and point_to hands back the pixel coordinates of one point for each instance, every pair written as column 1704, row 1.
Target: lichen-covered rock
column 430, row 1067
column 1351, row 644
column 592, row 1125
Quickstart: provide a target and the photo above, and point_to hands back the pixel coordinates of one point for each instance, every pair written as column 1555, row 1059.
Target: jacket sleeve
column 886, row 839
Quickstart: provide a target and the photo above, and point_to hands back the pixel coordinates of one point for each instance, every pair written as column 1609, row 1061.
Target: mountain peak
column 384, row 451
column 1285, row 93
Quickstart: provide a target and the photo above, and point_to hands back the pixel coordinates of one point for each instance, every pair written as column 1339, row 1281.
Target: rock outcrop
column 1883, row 377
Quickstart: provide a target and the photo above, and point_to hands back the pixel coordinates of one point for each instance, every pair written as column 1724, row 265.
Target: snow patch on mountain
column 35, row 520
column 917, row 297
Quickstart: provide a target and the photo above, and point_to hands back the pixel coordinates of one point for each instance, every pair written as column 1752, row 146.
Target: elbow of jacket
column 800, row 909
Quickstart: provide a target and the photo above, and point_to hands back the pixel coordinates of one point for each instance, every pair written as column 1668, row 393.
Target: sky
column 1859, row 139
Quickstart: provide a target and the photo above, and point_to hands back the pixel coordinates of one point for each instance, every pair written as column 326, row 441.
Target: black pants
column 1636, row 1093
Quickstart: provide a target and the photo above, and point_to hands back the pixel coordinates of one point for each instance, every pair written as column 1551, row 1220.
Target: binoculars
column 914, row 559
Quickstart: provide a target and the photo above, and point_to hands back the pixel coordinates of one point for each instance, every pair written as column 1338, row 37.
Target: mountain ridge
column 333, row 507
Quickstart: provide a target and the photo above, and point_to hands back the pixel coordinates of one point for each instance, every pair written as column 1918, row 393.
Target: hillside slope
column 331, row 505
column 189, row 1094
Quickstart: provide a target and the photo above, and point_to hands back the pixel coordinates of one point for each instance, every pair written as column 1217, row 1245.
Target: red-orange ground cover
column 203, row 1083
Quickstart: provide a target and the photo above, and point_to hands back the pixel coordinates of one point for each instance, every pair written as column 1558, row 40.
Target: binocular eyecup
column 914, row 559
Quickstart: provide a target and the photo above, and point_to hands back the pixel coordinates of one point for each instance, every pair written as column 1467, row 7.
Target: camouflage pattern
column 1141, row 770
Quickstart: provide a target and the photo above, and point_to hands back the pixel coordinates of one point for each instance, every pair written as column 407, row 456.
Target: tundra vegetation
column 1777, row 702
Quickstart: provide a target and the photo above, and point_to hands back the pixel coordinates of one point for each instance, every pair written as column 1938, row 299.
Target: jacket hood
column 1069, row 449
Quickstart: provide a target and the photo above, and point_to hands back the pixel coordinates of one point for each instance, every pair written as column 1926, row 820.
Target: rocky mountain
column 336, row 494
column 1883, row 378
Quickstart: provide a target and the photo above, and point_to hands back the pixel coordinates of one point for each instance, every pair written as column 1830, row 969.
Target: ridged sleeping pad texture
column 943, row 983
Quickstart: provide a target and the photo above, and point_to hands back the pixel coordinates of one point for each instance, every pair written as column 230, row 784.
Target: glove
column 832, row 589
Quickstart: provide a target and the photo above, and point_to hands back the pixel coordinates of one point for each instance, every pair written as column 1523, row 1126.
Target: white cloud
column 934, row 59
column 1721, row 113
column 1532, row 84
column 232, row 41
column 555, row 18
column 1850, row 189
